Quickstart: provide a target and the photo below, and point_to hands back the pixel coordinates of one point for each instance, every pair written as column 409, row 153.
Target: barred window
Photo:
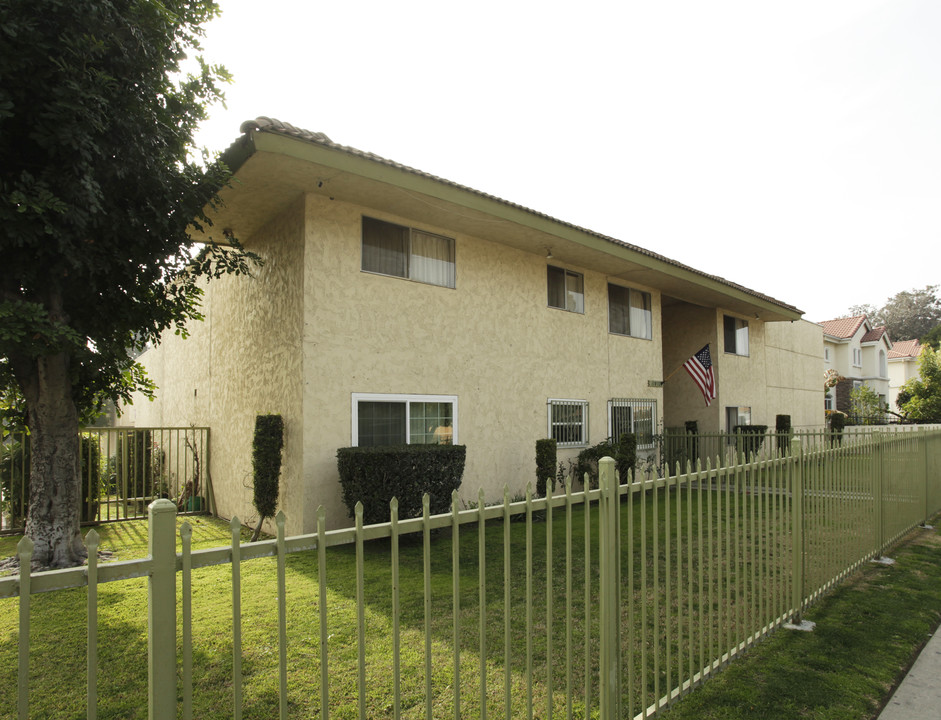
column 633, row 415
column 568, row 422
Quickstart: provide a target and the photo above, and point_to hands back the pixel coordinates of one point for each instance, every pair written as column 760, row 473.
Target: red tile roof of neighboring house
column 843, row 327
column 272, row 125
column 875, row 335
column 905, row 349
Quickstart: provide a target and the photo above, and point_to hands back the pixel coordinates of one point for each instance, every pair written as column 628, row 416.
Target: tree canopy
column 99, row 191
column 908, row 315
column 920, row 398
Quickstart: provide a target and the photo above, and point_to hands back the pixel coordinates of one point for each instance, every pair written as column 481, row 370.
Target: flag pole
column 672, row 373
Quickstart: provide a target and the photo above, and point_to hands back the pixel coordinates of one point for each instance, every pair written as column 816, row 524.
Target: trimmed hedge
column 624, row 453
column 375, row 475
column 546, row 459
column 782, row 426
column 266, row 463
column 751, row 438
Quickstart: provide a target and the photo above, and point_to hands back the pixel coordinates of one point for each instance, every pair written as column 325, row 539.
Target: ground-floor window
column 633, row 415
column 404, row 419
column 568, row 422
column 737, row 416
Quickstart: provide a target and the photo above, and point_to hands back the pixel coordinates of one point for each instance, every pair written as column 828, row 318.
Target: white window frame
column 563, row 402
column 857, row 357
column 357, row 398
column 634, row 404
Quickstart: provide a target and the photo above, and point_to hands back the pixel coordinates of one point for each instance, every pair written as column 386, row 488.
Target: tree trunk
column 55, row 484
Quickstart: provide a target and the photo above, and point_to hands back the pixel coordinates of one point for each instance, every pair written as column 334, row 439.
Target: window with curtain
column 390, row 249
column 404, row 420
column 629, row 312
column 735, row 335
column 566, row 289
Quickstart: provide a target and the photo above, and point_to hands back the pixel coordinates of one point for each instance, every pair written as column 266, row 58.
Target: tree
column 865, row 404
column 98, row 195
column 920, row 398
column 908, row 315
column 932, row 337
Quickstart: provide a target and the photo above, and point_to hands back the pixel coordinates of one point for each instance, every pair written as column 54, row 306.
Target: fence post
column 797, row 528
column 923, row 463
column 879, row 494
column 161, row 611
column 608, row 581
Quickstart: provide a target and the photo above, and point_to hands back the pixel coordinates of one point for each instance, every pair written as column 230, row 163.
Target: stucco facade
column 859, row 353
column 312, row 333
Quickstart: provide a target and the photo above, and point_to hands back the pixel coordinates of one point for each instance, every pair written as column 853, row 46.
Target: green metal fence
column 612, row 601
column 122, row 471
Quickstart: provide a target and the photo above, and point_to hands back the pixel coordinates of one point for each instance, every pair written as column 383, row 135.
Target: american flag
column 699, row 367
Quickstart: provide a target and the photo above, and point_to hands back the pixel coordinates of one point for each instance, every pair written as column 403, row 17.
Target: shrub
column 782, row 426
column 266, row 466
column 627, row 455
column 546, row 453
column 135, row 465
column 624, row 452
column 375, row 475
column 837, row 423
column 750, row 438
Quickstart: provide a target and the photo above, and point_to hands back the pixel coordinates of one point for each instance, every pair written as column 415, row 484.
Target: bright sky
column 791, row 147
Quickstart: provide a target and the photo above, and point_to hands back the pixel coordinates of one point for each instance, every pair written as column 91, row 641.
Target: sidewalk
column 919, row 695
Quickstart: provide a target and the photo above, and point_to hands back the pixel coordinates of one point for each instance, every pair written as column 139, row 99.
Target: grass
column 868, row 633
column 58, row 630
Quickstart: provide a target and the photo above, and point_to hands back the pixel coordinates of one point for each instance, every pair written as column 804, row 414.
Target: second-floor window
column 566, row 289
column 857, row 357
column 736, row 335
column 390, row 249
column 629, row 312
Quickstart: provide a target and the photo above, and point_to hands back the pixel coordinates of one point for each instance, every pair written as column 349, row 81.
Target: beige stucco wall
column 686, row 328
column 491, row 341
column 794, row 366
column 310, row 329
column 782, row 374
column 243, row 360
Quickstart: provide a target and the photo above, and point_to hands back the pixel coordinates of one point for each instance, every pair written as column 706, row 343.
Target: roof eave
column 342, row 160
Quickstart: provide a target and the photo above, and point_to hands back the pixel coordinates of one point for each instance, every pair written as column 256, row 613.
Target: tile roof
column 843, row 327
column 905, row 349
column 272, row 125
column 875, row 335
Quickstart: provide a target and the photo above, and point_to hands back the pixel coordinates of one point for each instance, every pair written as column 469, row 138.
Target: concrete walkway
column 919, row 695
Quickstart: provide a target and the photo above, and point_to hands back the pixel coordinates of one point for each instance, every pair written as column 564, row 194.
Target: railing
column 122, row 471
column 679, row 447
column 616, row 600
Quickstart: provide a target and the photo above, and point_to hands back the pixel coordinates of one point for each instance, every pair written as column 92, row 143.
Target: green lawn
column 58, row 626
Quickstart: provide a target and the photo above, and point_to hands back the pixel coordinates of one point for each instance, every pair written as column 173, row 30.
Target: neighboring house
column 903, row 366
column 397, row 307
column 860, row 354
